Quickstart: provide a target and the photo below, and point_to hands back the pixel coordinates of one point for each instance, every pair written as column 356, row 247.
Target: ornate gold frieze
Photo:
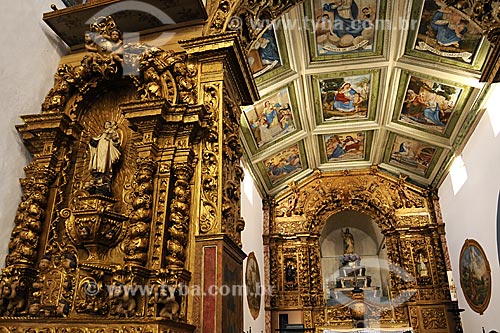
column 155, row 72
column 434, row 318
column 362, row 191
column 167, row 75
column 108, row 326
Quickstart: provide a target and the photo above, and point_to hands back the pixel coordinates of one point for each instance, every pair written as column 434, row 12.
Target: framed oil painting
column 445, row 34
column 345, row 29
column 267, row 56
column 253, row 285
column 346, row 95
column 270, row 119
column 341, row 147
column 430, row 104
column 412, row 155
column 475, row 276
column 284, row 164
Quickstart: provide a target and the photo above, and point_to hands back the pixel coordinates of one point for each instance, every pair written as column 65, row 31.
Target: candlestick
column 453, row 288
column 389, row 298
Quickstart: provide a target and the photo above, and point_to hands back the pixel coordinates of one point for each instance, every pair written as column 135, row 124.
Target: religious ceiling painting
column 430, row 104
column 271, row 119
column 284, row 164
column 268, row 57
column 351, row 146
column 345, row 29
column 412, row 155
column 443, row 33
column 346, row 95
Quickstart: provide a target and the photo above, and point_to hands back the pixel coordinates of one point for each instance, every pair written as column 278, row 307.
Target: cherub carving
column 123, row 303
column 166, row 296
column 12, row 297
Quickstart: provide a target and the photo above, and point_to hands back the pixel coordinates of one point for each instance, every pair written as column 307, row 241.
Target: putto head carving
column 105, row 39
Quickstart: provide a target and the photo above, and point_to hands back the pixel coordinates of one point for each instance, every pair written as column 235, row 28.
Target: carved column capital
column 183, row 171
column 45, row 135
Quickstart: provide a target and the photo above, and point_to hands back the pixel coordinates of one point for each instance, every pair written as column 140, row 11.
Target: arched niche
column 369, row 245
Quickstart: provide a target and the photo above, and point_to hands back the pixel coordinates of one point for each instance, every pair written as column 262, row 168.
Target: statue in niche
column 348, row 241
column 422, row 266
column 104, row 153
column 291, row 275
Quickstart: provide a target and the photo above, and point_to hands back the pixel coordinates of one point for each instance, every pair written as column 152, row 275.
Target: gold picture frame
column 475, row 276
column 253, row 285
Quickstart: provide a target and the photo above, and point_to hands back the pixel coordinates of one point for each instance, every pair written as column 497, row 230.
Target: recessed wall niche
column 369, row 245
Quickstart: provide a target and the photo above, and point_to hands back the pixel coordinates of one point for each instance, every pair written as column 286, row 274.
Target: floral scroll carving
column 233, row 172
column 165, row 74
column 210, row 160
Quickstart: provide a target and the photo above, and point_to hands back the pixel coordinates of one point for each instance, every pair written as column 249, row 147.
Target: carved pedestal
column 95, row 226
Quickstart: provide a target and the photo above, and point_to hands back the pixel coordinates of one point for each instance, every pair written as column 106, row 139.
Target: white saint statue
column 104, row 153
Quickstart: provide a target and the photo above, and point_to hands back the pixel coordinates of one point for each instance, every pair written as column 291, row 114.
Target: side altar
column 126, row 207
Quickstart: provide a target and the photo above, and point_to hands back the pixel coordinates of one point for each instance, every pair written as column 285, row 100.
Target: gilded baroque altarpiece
column 132, row 198
column 409, row 219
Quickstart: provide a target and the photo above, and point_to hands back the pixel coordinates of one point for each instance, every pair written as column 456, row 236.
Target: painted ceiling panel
column 347, row 85
column 445, row 35
column 339, row 32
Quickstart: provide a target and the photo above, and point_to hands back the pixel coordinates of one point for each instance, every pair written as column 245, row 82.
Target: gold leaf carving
column 434, row 318
column 210, row 161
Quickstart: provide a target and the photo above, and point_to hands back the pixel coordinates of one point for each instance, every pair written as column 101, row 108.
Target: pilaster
column 225, row 83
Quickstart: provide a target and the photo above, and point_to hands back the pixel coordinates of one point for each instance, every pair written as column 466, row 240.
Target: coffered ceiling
column 398, row 87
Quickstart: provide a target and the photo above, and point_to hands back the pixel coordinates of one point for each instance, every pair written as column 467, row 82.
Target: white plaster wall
column 28, row 60
column 471, row 214
column 251, row 210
